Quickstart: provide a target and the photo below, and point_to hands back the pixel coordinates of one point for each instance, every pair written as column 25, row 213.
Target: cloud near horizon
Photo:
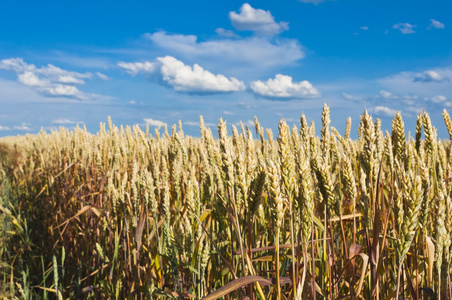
column 282, row 87
column 426, row 83
column 48, row 80
column 438, row 99
column 65, row 122
column 24, row 126
column 384, row 111
column 387, row 95
column 152, row 122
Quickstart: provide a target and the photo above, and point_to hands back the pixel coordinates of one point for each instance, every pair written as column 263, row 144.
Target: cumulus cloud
column 4, row 128
column 29, row 78
column 195, row 79
column 137, row 67
column 256, row 52
column 405, row 28
column 384, row 111
column 282, row 87
column 48, row 80
column 430, row 76
column 256, row 20
column 152, row 122
column 62, row 90
column 184, row 78
column 436, row 24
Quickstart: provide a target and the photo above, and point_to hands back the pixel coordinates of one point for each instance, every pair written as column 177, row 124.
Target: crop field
column 133, row 214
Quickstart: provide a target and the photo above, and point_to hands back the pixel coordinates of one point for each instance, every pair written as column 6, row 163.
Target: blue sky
column 64, row 63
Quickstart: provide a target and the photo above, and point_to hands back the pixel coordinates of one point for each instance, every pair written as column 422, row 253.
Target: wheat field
column 132, row 214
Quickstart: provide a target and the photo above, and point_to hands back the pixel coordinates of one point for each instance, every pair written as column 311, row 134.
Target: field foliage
column 126, row 213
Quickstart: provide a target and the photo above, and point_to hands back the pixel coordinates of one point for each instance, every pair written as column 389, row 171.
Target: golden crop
column 124, row 213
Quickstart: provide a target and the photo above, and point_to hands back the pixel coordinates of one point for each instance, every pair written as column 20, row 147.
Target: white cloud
column 137, row 67
column 29, row 78
column 54, row 73
column 193, row 123
column 244, row 105
column 436, row 24
column 195, row 79
column 50, row 71
column 256, row 20
column 438, row 99
column 409, row 102
column 253, row 53
column 62, row 90
column 24, row 126
column 226, row 33
column 228, row 113
column 282, row 87
column 102, row 76
column 405, row 28
column 364, row 27
column 387, row 95
column 16, row 65
column 69, row 79
column 351, row 97
column 384, row 111
column 4, row 128
column 430, row 76
column 422, row 84
column 247, row 123
column 64, row 121
column 132, row 102
column 185, row 78
column 48, row 80
column 152, row 122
